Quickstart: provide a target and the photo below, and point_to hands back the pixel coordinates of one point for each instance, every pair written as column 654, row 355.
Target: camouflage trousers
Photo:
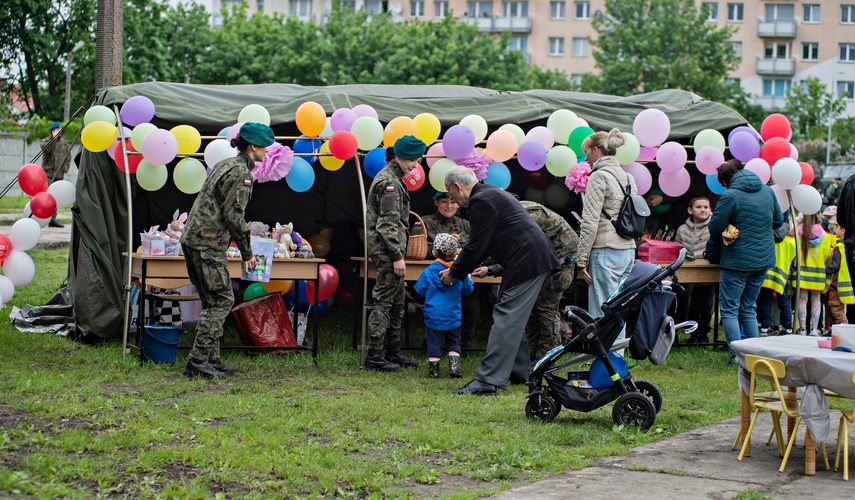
column 543, row 330
column 209, row 273
column 386, row 313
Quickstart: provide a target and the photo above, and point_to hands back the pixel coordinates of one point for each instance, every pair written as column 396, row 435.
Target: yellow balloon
column 189, row 140
column 311, row 119
column 98, row 136
column 330, row 162
column 281, row 286
column 428, row 128
column 397, row 128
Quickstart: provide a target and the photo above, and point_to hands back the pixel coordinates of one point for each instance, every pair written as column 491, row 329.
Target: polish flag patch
column 247, row 182
column 390, row 189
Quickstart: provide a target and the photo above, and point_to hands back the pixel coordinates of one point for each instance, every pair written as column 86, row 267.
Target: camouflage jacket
column 564, row 239
column 436, row 223
column 56, row 159
column 217, row 216
column 388, row 214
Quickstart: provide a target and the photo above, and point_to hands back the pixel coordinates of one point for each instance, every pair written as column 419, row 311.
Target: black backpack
column 633, row 213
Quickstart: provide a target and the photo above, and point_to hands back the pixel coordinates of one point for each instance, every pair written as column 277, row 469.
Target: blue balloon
column 498, row 175
column 301, row 177
column 714, row 185
column 224, row 132
column 374, row 161
column 307, row 146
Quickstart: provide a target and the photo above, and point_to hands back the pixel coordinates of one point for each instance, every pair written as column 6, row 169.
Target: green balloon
column 151, row 177
column 578, row 135
column 139, row 133
column 661, row 208
column 254, row 291
column 189, row 175
column 99, row 114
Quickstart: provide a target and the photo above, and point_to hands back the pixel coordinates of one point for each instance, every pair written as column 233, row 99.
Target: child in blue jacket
column 442, row 306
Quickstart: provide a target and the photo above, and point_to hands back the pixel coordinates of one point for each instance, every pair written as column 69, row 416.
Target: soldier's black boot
column 217, row 364
column 454, row 366
column 433, row 369
column 195, row 368
column 398, row 357
column 375, row 363
column 54, row 223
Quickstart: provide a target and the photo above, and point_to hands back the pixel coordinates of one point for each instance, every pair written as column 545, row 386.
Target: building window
column 374, row 7
column 480, row 9
column 847, row 14
column 440, row 9
column 580, row 47
column 556, row 46
column 780, row 12
column 348, row 4
column 847, row 51
column 810, row 13
column 735, row 12
column 846, row 90
column 417, row 9
column 260, row 5
column 515, row 9
column 576, row 79
column 712, row 10
column 732, row 81
column 557, row 9
column 582, row 10
column 777, row 51
column 301, row 8
column 737, row 49
column 518, row 43
column 777, row 88
column 810, row 51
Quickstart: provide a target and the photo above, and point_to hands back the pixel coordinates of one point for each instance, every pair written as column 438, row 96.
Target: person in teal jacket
column 752, row 208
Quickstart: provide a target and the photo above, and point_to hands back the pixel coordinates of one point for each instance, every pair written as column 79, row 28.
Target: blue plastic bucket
column 161, row 343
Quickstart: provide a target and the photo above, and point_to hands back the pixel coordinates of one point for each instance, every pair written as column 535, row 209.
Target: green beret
column 53, row 126
column 257, row 134
column 440, row 194
column 409, row 147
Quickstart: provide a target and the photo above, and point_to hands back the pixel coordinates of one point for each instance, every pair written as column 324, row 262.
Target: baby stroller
column 636, row 402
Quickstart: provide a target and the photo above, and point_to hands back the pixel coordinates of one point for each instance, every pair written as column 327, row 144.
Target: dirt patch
column 446, row 485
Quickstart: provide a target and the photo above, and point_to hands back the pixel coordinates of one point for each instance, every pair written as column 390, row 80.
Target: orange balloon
column 281, row 286
column 397, row 128
column 311, row 119
column 502, row 145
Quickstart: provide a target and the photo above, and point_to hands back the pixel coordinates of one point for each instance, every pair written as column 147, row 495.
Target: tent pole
column 795, row 319
column 130, row 237
column 364, row 322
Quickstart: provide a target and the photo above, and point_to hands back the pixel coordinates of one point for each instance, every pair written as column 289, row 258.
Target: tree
column 810, row 108
column 647, row 45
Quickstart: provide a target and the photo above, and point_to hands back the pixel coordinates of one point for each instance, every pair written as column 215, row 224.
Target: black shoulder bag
column 633, row 213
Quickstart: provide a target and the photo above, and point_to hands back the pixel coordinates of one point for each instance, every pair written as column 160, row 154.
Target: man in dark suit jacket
column 501, row 228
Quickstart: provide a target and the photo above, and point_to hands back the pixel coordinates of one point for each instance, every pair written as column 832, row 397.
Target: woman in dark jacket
column 752, row 208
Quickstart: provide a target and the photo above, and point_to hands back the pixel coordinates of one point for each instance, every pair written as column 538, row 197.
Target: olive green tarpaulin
column 97, row 268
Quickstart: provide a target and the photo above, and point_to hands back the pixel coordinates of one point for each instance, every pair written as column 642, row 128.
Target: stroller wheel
column 650, row 390
column 541, row 407
column 633, row 409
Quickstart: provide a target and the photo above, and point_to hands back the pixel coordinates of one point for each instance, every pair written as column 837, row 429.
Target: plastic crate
column 659, row 252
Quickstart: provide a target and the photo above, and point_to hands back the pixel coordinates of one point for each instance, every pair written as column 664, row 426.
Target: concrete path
column 699, row 465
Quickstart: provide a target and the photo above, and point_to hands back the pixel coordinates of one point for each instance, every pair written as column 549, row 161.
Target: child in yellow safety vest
column 776, row 286
column 839, row 284
column 814, row 254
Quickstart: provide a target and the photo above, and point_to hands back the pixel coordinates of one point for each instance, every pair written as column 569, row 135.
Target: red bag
column 265, row 322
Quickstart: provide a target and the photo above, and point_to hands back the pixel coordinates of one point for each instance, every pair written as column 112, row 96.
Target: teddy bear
column 283, row 236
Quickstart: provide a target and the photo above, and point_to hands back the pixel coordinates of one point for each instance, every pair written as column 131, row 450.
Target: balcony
column 776, row 28
column 771, row 103
column 500, row 23
column 777, row 67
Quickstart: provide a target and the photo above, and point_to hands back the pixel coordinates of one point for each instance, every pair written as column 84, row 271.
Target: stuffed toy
column 176, row 227
column 283, row 235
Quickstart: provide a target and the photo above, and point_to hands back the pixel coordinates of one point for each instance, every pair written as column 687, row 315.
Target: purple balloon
column 365, row 110
column 342, row 119
column 531, row 156
column 743, row 128
column 744, row 146
column 138, row 109
column 458, row 142
column 647, row 154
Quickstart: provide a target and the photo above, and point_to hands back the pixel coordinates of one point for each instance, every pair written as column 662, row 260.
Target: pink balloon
column 583, row 122
column 781, row 194
column 111, row 151
column 647, row 154
column 542, row 136
column 159, row 147
column 651, row 127
column 708, row 159
column 760, row 168
column 435, row 150
column 233, row 132
column 675, row 183
column 365, row 110
column 794, row 153
column 671, row 156
column 642, row 177
column 342, row 119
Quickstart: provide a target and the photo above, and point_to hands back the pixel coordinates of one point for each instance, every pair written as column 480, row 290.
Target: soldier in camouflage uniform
column 217, row 217
column 387, row 213
column 543, row 330
column 56, row 159
column 446, row 220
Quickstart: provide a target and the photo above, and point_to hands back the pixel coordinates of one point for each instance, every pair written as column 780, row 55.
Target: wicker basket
column 417, row 245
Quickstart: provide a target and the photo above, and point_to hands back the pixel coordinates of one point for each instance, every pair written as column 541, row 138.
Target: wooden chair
column 773, row 370
column 846, row 418
column 769, row 396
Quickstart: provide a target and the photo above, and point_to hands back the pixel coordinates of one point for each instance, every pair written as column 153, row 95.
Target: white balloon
column 478, row 126
column 217, row 151
column 25, row 234
column 19, row 268
column 787, row 173
column 64, row 193
column 328, row 131
column 28, row 214
column 7, row 289
column 806, row 199
column 781, row 194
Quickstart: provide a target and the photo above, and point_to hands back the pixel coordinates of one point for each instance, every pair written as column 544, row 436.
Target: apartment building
column 781, row 42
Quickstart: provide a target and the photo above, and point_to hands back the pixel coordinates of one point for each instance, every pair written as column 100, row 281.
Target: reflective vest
column 844, row 283
column 813, row 266
column 777, row 277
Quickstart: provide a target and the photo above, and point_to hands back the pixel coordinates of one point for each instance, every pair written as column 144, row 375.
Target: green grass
column 79, row 421
column 13, row 203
